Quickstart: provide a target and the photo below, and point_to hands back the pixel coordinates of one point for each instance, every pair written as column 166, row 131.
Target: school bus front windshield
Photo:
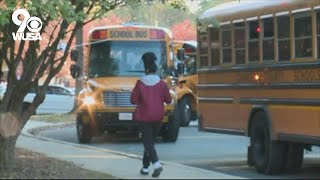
column 123, row 58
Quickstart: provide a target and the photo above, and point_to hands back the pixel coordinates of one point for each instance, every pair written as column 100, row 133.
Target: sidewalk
column 118, row 164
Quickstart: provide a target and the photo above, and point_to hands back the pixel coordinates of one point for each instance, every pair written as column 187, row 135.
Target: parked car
column 3, row 89
column 58, row 100
column 72, row 90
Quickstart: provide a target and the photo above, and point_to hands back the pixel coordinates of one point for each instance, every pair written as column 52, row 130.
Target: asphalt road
column 216, row 152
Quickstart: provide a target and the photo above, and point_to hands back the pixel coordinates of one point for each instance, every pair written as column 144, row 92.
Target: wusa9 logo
column 34, row 25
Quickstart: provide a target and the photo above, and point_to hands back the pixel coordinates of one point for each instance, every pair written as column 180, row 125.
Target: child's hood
column 150, row 80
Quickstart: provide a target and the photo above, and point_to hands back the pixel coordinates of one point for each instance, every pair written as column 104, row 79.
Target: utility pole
column 79, row 62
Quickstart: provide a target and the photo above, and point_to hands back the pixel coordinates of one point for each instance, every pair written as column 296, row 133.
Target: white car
column 58, row 100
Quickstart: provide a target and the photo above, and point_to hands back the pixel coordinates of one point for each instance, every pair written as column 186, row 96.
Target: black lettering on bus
column 127, row 34
column 113, row 34
column 141, row 34
column 123, row 34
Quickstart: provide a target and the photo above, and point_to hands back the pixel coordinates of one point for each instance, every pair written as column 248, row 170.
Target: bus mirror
column 171, row 56
column 85, row 78
column 181, row 68
column 74, row 55
column 75, row 71
column 180, row 54
column 172, row 71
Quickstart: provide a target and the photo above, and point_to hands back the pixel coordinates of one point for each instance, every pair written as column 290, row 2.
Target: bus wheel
column 172, row 131
column 294, row 157
column 268, row 156
column 83, row 129
column 185, row 111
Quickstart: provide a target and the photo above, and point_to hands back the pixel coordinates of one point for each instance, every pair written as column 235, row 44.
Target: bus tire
column 185, row 111
column 268, row 156
column 294, row 157
column 172, row 132
column 84, row 132
column 194, row 115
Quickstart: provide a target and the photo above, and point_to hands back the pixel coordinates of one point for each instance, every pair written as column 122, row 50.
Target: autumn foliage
column 111, row 19
column 184, row 31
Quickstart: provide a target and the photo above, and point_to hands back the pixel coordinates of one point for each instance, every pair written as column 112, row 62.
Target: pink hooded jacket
column 149, row 94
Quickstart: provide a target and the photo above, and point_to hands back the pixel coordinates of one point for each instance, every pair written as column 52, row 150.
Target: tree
column 207, row 4
column 60, row 21
column 178, row 4
column 184, row 31
column 154, row 12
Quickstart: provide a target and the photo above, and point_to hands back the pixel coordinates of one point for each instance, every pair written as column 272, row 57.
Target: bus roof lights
column 101, row 34
column 157, row 34
column 95, row 35
column 188, row 50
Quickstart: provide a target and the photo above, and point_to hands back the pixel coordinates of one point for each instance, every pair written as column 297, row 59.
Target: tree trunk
column 7, row 152
column 9, row 132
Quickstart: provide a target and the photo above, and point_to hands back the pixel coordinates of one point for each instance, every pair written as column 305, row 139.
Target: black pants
column 149, row 133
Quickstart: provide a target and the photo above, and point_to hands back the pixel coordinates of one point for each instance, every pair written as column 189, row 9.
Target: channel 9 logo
column 33, row 24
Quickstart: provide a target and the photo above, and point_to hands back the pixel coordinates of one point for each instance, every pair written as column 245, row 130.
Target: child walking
column 149, row 94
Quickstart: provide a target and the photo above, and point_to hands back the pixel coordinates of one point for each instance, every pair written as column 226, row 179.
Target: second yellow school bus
column 187, row 82
column 259, row 76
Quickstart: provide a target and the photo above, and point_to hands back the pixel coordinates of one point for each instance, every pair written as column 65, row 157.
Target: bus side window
column 318, row 32
column 226, row 45
column 303, row 35
column 215, row 46
column 268, row 39
column 254, row 30
column 239, row 42
column 283, row 23
column 203, row 51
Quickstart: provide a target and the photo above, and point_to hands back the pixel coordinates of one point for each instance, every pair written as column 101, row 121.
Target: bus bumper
column 114, row 121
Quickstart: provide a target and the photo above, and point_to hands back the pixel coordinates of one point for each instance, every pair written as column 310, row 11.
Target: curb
column 28, row 134
column 46, row 127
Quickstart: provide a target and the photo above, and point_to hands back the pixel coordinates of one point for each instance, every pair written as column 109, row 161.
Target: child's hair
column 149, row 61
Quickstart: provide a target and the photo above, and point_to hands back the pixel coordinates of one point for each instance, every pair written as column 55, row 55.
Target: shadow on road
column 310, row 169
column 119, row 137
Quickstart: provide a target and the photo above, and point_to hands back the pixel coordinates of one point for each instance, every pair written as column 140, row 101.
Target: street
column 210, row 151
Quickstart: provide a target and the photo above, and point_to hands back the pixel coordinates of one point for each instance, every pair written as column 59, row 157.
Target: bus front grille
column 117, row 99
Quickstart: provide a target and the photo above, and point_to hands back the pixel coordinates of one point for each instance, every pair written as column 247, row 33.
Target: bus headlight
column 88, row 100
column 173, row 96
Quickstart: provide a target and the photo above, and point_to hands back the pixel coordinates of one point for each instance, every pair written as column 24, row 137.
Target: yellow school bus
column 259, row 76
column 114, row 65
column 187, row 82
